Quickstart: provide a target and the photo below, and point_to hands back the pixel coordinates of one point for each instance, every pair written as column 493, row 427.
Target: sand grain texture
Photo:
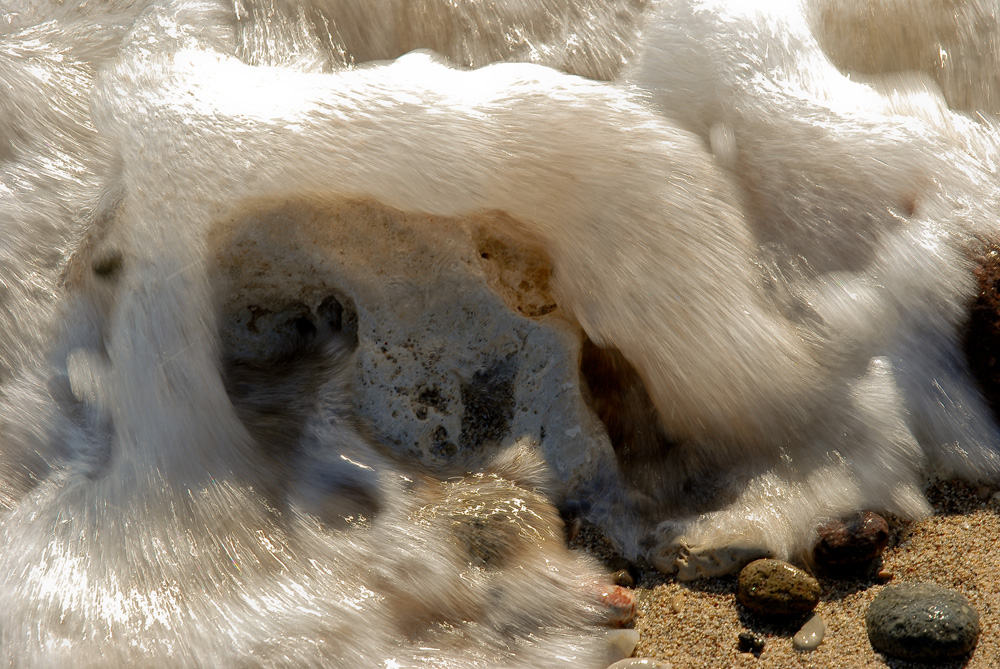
column 695, row 625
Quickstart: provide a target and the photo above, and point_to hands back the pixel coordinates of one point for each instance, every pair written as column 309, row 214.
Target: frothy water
column 290, row 334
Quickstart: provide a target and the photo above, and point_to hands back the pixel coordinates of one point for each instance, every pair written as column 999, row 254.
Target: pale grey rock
column 810, row 635
column 697, row 562
column 460, row 347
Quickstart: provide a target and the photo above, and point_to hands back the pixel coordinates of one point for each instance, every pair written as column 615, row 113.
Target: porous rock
column 922, row 621
column 457, row 346
column 774, row 588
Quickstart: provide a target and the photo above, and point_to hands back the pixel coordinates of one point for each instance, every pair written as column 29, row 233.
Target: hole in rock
column 488, row 405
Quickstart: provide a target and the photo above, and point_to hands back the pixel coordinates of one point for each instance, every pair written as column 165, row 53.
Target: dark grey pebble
column 748, row 642
column 775, row 588
column 923, row 622
column 851, row 544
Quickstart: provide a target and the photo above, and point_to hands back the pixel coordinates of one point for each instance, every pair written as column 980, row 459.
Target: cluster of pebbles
column 858, row 603
column 906, row 622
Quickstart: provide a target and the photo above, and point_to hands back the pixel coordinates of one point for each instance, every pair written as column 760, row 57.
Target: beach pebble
column 641, row 663
column 810, row 635
column 852, row 543
column 619, row 605
column 747, row 642
column 775, row 588
column 623, row 578
column 921, row 621
column 621, row 644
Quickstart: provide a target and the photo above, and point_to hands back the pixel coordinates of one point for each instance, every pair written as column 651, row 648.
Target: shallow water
column 290, row 342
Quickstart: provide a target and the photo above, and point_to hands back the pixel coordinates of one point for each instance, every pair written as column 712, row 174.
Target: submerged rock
column 620, row 606
column 923, row 622
column 621, row 644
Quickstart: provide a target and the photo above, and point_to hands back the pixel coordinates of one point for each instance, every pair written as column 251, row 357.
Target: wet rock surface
column 851, row 544
column 621, row 644
column 442, row 375
column 620, row 605
column 810, row 635
column 922, row 622
column 775, row 588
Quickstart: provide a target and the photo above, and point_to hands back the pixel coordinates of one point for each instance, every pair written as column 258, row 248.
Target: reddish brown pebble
column 619, row 603
column 851, row 544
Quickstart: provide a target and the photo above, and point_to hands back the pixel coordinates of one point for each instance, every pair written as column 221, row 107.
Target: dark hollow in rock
column 488, row 406
column 441, row 446
column 332, row 312
column 922, row 622
column 108, row 265
column 774, row 588
column 851, row 544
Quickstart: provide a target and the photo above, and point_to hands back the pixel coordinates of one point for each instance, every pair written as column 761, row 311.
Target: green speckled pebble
column 775, row 588
column 921, row 621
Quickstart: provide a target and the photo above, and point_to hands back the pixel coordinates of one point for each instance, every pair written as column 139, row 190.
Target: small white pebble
column 641, row 663
column 811, row 634
column 621, row 643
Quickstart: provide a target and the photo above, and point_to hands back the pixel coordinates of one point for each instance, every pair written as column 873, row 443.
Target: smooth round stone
column 641, row 663
column 921, row 621
column 775, row 588
column 621, row 643
column 852, row 543
column 810, row 635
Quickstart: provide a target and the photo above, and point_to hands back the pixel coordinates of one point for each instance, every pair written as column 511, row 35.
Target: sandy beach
column 696, row 625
